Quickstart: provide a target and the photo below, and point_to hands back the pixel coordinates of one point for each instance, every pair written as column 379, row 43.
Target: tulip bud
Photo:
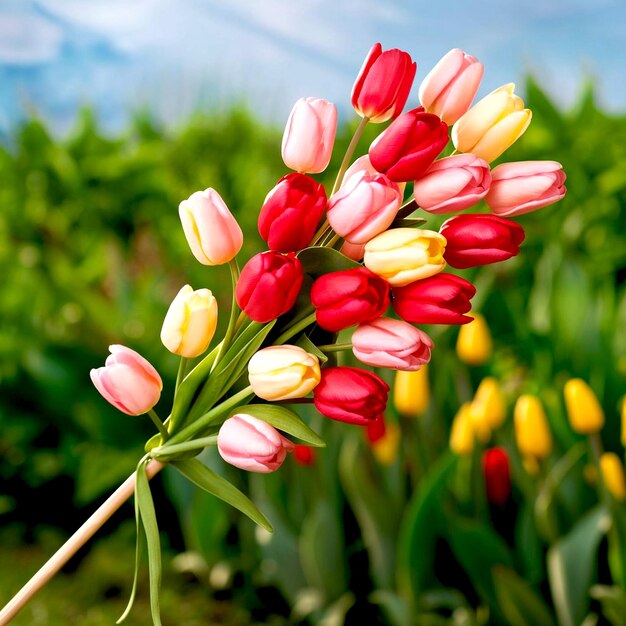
column 473, row 345
column 309, row 135
column 351, row 395
column 291, row 213
column 613, row 475
column 462, row 432
column 386, row 342
column 450, row 87
column 364, row 207
column 440, row 299
column 406, row 148
column 127, row 381
column 411, row 392
column 524, row 186
column 212, row 232
column 348, row 297
column 269, row 285
column 492, row 124
column 474, row 240
column 385, row 447
column 452, row 184
column 497, row 476
column 304, row 455
column 190, row 322
column 404, row 255
column 383, row 84
column 532, row 432
column 283, row 372
column 585, row 414
column 488, row 404
column 252, row 444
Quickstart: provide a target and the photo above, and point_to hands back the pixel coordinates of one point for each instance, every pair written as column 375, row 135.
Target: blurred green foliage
column 91, row 253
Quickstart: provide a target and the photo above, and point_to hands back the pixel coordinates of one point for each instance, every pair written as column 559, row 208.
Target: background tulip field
column 390, row 527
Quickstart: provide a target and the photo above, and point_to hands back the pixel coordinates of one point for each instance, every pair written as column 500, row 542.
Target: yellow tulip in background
column 404, row 255
column 624, row 422
column 488, row 405
column 584, row 412
column 385, row 449
column 613, row 475
column 190, row 322
column 474, row 345
column 492, row 124
column 411, row 392
column 462, row 432
column 532, row 432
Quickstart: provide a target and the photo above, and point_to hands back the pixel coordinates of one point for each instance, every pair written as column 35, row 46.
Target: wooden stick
column 72, row 545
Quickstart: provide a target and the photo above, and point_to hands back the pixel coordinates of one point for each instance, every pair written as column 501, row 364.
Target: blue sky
column 178, row 55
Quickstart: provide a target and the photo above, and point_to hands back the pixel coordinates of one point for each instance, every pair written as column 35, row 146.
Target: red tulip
column 480, row 239
column 497, row 475
column 349, row 297
column 291, row 213
column 376, row 430
column 269, row 285
column 383, row 84
column 405, row 150
column 304, row 455
column 439, row 299
column 351, row 395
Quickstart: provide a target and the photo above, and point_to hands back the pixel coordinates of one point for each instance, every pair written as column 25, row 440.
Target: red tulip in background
column 351, row 395
column 304, row 455
column 439, row 299
column 269, row 285
column 291, row 213
column 375, row 430
column 474, row 240
column 497, row 475
column 405, row 150
column 349, row 297
column 383, row 84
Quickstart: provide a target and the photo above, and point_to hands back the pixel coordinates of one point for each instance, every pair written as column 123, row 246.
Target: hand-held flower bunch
column 336, row 259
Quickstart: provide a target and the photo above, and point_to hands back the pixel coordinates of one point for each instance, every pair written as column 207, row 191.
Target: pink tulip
column 309, row 135
column 363, row 164
column 212, row 232
column 452, row 184
column 450, row 87
column 524, row 186
column 128, row 381
column 364, row 207
column 391, row 343
column 252, row 444
column 354, row 251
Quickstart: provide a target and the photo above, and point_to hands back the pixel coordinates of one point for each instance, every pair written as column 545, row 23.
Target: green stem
column 182, row 367
column 294, row 401
column 333, row 241
column 349, row 153
column 295, row 329
column 335, row 347
column 168, row 450
column 230, row 331
column 320, row 234
column 207, row 419
column 156, row 420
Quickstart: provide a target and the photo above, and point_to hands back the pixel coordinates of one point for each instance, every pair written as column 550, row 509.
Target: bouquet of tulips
column 336, row 261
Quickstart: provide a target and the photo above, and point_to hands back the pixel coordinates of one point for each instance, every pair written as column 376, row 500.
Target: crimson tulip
column 474, row 240
column 349, row 297
column 304, row 455
column 291, row 213
column 439, row 299
column 497, row 475
column 405, row 150
column 376, row 430
column 269, row 285
column 351, row 395
column 383, row 84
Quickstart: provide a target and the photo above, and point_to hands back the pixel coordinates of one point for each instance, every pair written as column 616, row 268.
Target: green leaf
column 214, row 484
column 408, row 222
column 317, row 261
column 478, row 549
column 518, row 602
column 151, row 528
column 284, row 419
column 613, row 601
column 396, row 609
column 306, row 344
column 571, row 565
column 419, row 529
column 138, row 543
